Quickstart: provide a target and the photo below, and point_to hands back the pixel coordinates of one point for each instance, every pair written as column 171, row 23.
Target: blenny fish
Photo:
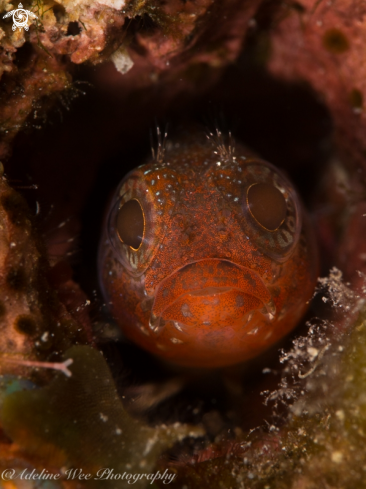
column 208, row 257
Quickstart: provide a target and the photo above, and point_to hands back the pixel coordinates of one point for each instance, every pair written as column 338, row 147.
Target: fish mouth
column 208, row 284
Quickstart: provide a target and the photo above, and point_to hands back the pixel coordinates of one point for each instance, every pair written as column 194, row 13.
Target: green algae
column 79, row 424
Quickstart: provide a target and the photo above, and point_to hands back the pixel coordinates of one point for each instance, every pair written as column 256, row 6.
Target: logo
column 20, row 17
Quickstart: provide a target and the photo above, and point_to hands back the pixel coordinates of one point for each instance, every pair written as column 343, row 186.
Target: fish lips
column 207, row 279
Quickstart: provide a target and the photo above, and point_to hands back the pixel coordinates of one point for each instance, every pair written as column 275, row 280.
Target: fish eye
column 267, row 205
column 131, row 224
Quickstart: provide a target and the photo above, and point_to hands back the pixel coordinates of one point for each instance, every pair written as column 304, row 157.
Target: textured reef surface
column 149, row 41
column 289, row 77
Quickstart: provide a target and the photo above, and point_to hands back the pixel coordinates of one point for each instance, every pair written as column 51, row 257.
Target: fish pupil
column 130, row 224
column 267, row 205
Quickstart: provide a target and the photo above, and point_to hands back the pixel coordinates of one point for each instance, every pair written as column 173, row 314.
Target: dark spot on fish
column 249, row 279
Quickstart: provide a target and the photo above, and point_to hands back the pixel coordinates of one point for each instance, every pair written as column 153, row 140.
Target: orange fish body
column 208, row 258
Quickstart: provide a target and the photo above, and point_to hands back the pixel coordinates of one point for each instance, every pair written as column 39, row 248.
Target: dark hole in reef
column 138, row 24
column 106, row 134
column 356, row 99
column 73, row 29
column 23, row 55
column 59, row 12
column 335, row 41
column 26, row 325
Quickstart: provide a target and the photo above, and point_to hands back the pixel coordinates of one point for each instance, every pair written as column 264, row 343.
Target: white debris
column 122, row 60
